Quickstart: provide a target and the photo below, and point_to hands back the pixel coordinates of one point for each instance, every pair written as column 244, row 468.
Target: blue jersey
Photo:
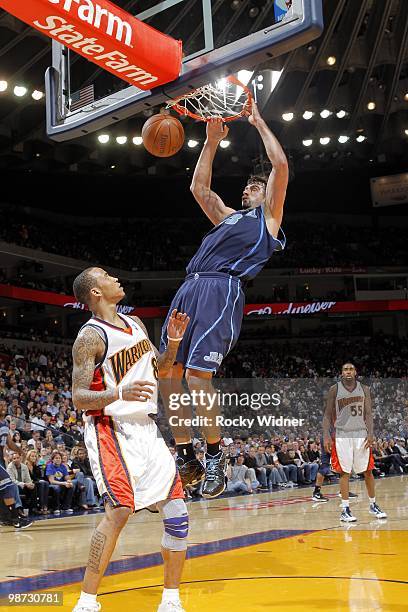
column 240, row 246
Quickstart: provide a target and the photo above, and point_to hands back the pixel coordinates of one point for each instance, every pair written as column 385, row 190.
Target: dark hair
column 257, row 178
column 83, row 284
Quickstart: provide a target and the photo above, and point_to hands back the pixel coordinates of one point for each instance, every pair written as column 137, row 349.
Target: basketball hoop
column 227, row 99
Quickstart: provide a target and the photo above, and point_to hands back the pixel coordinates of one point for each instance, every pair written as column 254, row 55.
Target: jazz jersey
column 129, row 357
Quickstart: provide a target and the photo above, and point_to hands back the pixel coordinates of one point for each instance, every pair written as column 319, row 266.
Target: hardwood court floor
column 277, row 551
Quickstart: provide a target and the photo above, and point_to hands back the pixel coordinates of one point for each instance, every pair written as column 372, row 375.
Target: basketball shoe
column 87, row 607
column 192, row 472
column 376, row 510
column 319, row 497
column 346, row 516
column 215, row 469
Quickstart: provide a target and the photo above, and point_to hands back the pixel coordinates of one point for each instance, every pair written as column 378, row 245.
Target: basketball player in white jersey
column 115, row 381
column 348, row 411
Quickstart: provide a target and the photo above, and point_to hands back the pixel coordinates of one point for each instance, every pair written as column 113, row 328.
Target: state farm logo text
column 109, row 25
column 99, row 18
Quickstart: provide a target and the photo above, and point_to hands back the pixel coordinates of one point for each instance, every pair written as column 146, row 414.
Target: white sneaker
column 171, row 606
column 87, row 608
column 376, row 510
column 346, row 516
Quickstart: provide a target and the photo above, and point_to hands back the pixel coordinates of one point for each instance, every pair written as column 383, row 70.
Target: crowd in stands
column 166, row 244
column 52, row 470
column 257, row 463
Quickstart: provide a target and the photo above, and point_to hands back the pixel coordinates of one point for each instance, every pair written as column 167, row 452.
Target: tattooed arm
column 176, row 327
column 87, row 349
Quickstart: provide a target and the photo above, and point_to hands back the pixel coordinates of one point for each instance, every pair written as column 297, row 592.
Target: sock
column 87, row 598
column 371, row 500
column 186, row 451
column 170, row 595
column 345, row 503
column 316, row 490
column 213, row 448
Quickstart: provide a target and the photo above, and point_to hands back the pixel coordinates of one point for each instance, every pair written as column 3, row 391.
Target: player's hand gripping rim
column 177, row 325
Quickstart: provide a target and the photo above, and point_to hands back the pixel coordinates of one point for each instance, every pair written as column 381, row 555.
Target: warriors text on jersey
column 350, row 410
column 240, row 245
column 129, row 356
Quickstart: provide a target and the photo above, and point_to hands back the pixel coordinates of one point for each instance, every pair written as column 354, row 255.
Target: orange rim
column 182, row 110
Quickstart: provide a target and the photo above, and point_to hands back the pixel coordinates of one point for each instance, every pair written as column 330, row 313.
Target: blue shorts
column 7, row 486
column 215, row 304
column 324, row 467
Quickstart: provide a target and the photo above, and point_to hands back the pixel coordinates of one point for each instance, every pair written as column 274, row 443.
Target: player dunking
column 348, row 411
column 235, row 250
column 114, row 379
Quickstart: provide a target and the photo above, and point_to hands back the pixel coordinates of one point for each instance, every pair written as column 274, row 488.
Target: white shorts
column 130, row 461
column 349, row 454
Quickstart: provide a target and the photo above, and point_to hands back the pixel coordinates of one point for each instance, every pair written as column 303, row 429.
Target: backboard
column 219, row 38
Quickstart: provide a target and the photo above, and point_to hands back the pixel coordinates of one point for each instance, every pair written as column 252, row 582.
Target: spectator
column 20, row 475
column 60, row 483
column 250, row 463
column 37, row 475
column 239, row 477
column 82, row 469
column 288, row 464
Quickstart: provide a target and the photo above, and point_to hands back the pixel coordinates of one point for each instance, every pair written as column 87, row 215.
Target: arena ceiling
column 359, row 65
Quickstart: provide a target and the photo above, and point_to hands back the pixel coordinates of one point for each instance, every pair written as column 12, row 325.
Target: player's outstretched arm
column 88, row 347
column 329, row 417
column 278, row 178
column 211, row 203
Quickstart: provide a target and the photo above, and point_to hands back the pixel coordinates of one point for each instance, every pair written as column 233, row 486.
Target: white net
column 227, row 99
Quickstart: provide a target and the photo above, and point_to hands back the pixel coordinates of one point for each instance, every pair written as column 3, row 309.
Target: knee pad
column 175, row 521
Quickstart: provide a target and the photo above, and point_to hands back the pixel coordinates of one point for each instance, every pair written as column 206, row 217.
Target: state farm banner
column 105, row 34
column 250, row 310
column 389, row 190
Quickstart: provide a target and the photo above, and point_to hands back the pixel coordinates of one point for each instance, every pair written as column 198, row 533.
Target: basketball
column 163, row 135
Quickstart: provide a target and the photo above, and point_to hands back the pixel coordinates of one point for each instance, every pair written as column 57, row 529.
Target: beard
column 246, row 204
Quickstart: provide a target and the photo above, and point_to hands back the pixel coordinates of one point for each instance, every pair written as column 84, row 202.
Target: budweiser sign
column 292, row 308
column 106, row 35
column 250, row 310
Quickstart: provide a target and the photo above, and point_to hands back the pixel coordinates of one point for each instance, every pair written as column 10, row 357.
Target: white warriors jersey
column 350, row 409
column 129, row 357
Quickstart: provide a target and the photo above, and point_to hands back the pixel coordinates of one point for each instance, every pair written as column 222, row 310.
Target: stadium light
column 308, row 142
column 343, row 139
column 37, row 95
column 371, row 106
column 406, row 132
column 287, row 116
column 224, row 144
column 192, row 143
column 137, row 140
column 20, row 91
column 3, row 85
column 325, row 140
column 308, row 115
column 245, row 76
column 103, row 138
column 121, row 140
column 325, row 113
column 331, row 60
column 406, row 97
column 341, row 114
column 361, row 138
